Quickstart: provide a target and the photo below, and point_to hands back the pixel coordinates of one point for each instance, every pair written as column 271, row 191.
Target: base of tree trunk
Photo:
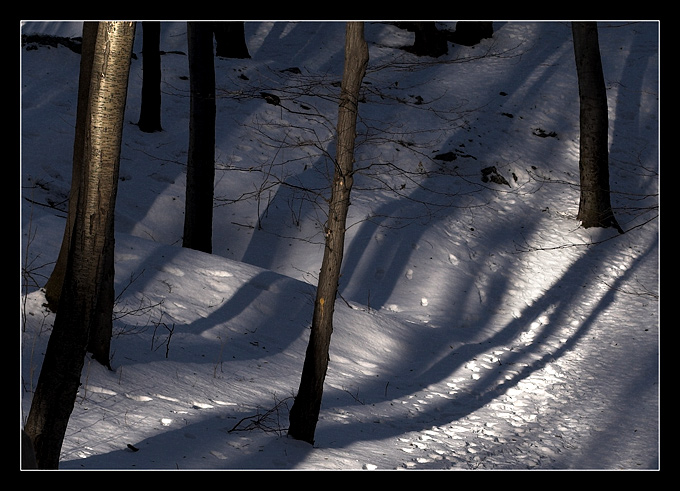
column 470, row 33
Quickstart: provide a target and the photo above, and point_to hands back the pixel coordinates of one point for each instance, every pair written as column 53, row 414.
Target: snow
column 478, row 325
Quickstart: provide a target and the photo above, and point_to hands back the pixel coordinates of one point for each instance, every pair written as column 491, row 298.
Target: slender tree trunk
column 201, row 159
column 59, row 379
column 56, row 279
column 150, row 112
column 305, row 411
column 594, row 206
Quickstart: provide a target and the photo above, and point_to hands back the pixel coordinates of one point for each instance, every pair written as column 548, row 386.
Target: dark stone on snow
column 451, row 156
column 271, row 98
column 446, row 157
column 492, row 174
column 544, row 134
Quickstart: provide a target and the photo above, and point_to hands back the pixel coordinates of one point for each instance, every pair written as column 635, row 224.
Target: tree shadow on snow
column 561, row 301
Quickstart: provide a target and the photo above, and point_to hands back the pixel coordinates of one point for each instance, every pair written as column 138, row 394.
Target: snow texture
column 478, row 325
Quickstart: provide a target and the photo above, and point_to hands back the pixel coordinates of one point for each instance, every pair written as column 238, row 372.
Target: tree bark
column 150, row 112
column 230, row 39
column 201, row 158
column 56, row 280
column 594, row 204
column 101, row 328
column 429, row 41
column 59, row 379
column 305, row 411
column 27, row 454
column 470, row 33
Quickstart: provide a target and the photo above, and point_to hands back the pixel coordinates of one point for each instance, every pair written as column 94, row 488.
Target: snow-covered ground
column 479, row 327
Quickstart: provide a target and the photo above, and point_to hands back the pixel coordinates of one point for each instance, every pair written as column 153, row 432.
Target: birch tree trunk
column 60, row 374
column 56, row 279
column 305, row 411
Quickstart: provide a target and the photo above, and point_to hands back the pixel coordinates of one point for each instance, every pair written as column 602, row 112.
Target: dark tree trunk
column 429, row 40
column 594, row 206
column 101, row 329
column 201, row 159
column 470, row 33
column 150, row 113
column 305, row 411
column 230, row 40
column 59, row 379
column 27, row 453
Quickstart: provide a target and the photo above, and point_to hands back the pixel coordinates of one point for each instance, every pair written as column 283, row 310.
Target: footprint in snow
column 101, row 390
column 201, row 405
column 166, row 398
column 139, row 398
column 217, row 273
column 166, row 268
column 223, row 403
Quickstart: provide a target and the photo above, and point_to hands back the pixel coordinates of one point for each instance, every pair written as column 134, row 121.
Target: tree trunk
column 594, row 206
column 150, row 112
column 305, row 411
column 101, row 329
column 470, row 33
column 27, row 454
column 56, row 279
column 230, row 38
column 429, row 40
column 201, row 158
column 61, row 369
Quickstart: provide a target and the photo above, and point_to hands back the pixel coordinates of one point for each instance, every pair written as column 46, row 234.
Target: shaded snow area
column 478, row 326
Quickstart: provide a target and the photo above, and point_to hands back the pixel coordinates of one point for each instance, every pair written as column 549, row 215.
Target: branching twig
column 170, row 330
column 269, row 421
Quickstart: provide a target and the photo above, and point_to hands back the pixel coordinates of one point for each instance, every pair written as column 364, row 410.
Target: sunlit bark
column 86, row 270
